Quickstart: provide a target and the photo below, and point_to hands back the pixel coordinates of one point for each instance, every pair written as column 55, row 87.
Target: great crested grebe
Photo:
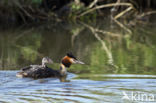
column 42, row 71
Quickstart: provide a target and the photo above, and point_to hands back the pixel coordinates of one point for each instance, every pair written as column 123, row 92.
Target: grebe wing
column 26, row 68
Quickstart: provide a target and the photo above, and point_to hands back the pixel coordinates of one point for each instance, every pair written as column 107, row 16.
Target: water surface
column 132, row 71
column 77, row 90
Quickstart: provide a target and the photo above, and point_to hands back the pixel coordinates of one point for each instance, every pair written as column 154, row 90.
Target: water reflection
column 131, row 53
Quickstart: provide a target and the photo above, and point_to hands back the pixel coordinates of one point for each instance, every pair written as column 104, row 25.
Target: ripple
column 26, row 90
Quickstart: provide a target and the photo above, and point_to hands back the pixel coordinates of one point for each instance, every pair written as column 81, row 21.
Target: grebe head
column 46, row 60
column 70, row 59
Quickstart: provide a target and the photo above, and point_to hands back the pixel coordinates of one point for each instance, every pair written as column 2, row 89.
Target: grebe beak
column 79, row 62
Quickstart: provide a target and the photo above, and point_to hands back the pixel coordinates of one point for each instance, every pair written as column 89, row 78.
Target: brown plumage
column 67, row 61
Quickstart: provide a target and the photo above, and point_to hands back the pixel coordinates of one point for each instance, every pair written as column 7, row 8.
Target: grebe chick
column 35, row 71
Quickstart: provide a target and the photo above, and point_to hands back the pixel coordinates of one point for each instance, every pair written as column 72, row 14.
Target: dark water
column 102, row 79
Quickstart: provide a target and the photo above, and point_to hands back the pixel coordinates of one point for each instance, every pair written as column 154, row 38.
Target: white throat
column 63, row 70
column 43, row 64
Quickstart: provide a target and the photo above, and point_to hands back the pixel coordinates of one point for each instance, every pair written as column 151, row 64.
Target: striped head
column 46, row 60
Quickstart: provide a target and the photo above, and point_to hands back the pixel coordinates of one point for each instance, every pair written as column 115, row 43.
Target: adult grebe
column 42, row 71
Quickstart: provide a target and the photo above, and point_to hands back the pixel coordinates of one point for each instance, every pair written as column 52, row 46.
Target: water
column 133, row 71
column 109, row 89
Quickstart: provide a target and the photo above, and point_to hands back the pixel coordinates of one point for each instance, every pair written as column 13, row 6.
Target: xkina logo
column 138, row 96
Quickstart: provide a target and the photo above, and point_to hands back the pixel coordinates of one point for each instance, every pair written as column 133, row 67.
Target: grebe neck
column 43, row 64
column 63, row 70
